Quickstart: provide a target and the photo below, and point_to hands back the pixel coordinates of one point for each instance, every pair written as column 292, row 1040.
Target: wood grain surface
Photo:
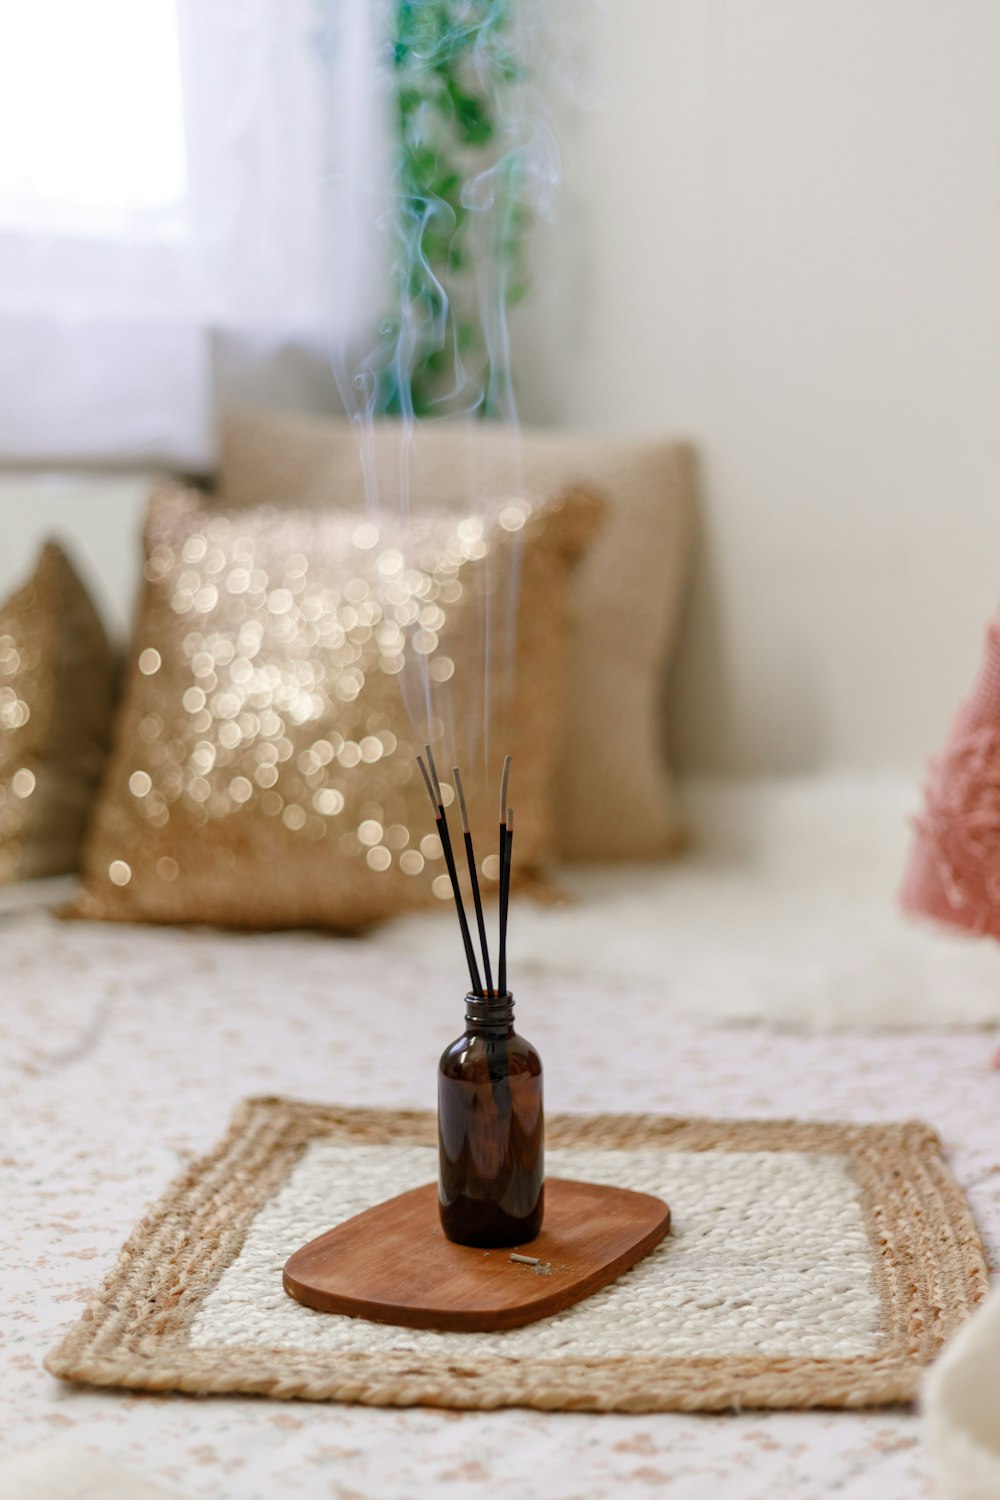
column 393, row 1264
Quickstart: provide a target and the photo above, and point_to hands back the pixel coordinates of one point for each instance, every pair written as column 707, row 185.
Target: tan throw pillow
column 263, row 773
column 614, row 798
column 57, row 683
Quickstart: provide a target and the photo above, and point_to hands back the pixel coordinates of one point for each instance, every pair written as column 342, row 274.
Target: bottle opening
column 489, row 1010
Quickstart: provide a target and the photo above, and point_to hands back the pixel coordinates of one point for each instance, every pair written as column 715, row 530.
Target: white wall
column 781, row 235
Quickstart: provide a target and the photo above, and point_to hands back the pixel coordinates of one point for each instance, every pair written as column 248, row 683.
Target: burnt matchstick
column 474, row 879
column 433, row 786
column 506, row 842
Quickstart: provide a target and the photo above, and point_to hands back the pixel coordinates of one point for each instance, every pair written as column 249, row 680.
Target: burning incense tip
column 526, row 1260
column 466, row 827
column 435, row 778
column 504, row 779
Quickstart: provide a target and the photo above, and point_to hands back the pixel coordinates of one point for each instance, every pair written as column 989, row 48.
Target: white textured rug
column 767, row 1255
column 122, row 1053
column 785, row 910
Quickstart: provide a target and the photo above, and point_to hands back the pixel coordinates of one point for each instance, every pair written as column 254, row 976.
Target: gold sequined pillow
column 57, row 682
column 615, row 797
column 264, row 774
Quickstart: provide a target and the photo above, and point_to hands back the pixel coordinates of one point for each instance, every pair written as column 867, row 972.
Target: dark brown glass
column 491, row 1131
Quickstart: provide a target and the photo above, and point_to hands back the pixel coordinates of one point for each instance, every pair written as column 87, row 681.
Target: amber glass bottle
column 491, row 1131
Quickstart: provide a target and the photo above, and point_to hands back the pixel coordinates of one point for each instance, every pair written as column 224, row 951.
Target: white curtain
column 164, row 183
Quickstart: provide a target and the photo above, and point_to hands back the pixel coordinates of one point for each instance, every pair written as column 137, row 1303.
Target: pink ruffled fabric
column 954, row 868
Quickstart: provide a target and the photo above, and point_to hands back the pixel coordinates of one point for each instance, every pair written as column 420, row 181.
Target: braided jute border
column 927, row 1265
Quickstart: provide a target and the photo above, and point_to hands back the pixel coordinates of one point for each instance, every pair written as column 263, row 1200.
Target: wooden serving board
column 393, row 1264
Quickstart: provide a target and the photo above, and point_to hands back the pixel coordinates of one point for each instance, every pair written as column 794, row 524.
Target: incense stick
column 507, row 840
column 437, row 802
column 474, row 878
column 429, row 785
column 504, row 783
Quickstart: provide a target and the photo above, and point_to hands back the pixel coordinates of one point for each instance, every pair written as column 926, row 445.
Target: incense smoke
column 450, row 159
column 470, row 155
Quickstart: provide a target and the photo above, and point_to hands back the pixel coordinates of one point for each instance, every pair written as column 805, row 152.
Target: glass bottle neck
column 491, row 1015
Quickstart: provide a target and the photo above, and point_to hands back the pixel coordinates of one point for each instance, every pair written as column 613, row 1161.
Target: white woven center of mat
column 767, row 1255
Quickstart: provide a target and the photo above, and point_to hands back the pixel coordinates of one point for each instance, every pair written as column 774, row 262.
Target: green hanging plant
column 460, row 202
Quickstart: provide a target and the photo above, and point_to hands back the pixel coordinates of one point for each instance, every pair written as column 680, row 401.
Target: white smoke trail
column 505, row 51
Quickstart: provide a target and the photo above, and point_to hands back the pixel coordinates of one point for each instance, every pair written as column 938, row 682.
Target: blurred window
column 92, row 136
column 165, row 168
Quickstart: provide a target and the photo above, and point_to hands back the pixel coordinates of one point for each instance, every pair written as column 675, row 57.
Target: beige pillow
column 57, row 684
column 613, row 797
column 263, row 773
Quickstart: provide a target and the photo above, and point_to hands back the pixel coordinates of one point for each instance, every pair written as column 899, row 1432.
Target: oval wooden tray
column 393, row 1264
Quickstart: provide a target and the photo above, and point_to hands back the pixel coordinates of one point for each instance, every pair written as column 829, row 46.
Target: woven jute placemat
column 810, row 1265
